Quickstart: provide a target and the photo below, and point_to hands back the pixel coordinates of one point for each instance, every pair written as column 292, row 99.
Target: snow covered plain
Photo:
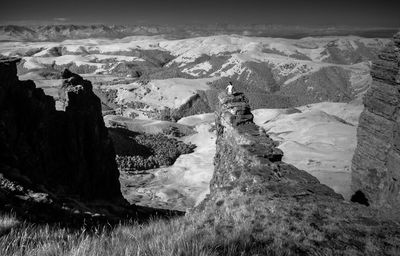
column 172, row 92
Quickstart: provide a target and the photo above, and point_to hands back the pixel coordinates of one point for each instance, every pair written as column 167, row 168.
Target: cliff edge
column 275, row 208
column 376, row 161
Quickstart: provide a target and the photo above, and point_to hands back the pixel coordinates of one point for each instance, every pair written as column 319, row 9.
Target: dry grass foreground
column 159, row 237
column 199, row 234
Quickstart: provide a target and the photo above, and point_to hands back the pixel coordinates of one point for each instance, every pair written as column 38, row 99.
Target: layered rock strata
column 376, row 161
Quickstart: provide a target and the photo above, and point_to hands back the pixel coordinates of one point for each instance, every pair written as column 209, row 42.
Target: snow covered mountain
column 273, row 72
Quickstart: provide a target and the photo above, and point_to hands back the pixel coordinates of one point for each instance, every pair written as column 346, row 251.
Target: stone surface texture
column 249, row 160
column 376, row 162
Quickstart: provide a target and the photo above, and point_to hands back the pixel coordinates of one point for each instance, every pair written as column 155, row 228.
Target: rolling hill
column 139, row 72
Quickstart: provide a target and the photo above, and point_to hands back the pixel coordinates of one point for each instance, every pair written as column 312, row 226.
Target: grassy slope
column 286, row 231
column 159, row 237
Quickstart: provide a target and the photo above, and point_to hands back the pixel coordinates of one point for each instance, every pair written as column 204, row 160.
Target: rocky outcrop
column 67, row 152
column 376, row 161
column 248, row 160
column 276, row 207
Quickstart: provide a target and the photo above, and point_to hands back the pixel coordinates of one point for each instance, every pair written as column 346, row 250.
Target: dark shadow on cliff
column 359, row 197
column 33, row 204
column 58, row 166
column 36, row 213
column 125, row 143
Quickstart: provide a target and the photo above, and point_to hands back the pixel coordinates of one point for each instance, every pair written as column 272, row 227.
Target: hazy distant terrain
column 65, row 31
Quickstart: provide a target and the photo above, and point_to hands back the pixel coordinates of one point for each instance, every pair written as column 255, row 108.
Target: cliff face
column 68, row 152
column 376, row 162
column 260, row 199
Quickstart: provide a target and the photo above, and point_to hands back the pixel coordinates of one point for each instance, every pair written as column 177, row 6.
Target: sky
column 365, row 13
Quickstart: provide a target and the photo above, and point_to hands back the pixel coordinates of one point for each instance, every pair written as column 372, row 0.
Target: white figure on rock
column 230, row 88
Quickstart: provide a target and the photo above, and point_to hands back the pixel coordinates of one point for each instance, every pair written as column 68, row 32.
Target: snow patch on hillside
column 290, row 59
column 41, row 62
column 198, row 119
column 171, row 93
column 103, row 57
column 198, row 69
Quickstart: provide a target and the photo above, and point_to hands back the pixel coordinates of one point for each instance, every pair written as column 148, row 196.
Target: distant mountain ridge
column 71, row 31
column 272, row 72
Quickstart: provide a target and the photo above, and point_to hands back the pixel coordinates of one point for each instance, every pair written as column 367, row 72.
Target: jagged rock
column 376, row 161
column 269, row 202
column 235, row 107
column 247, row 158
column 68, row 152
